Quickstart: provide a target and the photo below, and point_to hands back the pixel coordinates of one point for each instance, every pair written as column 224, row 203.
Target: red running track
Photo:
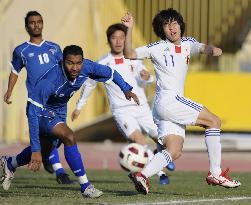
column 105, row 156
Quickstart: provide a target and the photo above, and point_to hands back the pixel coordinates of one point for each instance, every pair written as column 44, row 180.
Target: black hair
column 29, row 14
column 72, row 50
column 165, row 16
column 115, row 27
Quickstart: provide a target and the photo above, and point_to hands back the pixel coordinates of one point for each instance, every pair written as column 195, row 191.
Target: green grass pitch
column 185, row 188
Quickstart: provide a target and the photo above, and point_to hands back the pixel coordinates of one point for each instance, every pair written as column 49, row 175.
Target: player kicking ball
column 172, row 110
column 131, row 120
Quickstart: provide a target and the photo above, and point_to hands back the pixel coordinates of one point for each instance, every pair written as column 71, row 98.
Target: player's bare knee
column 69, row 139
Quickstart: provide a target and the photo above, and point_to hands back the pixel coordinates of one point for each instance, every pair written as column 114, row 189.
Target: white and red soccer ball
column 133, row 157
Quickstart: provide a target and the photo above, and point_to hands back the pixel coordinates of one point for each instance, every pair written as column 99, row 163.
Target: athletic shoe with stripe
column 92, row 192
column 8, row 175
column 140, row 182
column 222, row 180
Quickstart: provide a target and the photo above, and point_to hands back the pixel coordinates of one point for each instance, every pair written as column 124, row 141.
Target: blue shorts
column 46, row 126
column 48, row 122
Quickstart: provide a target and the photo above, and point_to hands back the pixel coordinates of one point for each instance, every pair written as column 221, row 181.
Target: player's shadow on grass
column 109, row 181
column 59, row 187
column 121, row 193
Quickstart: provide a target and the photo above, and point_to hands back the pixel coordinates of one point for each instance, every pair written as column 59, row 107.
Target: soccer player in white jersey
column 172, row 111
column 130, row 118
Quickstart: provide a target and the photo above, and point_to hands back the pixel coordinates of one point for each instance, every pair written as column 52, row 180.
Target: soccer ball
column 133, row 157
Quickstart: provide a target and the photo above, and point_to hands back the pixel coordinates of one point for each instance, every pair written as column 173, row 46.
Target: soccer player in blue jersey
column 38, row 56
column 47, row 110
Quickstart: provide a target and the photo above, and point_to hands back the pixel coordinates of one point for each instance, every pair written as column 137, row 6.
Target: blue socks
column 75, row 162
column 21, row 159
column 55, row 162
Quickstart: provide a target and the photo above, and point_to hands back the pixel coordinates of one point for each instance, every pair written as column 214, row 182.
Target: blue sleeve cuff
column 117, row 79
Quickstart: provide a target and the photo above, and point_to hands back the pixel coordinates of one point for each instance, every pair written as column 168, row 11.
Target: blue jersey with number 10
column 37, row 59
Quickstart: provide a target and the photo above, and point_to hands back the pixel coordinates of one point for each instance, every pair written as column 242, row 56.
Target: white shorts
column 172, row 112
column 131, row 118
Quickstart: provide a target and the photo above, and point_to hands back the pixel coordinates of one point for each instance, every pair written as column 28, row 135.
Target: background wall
column 224, row 89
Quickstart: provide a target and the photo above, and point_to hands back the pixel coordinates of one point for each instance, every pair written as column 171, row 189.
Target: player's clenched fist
column 127, row 20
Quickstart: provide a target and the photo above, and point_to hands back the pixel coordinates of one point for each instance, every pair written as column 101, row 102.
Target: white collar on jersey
column 116, row 57
column 168, row 41
column 121, row 59
column 35, row 44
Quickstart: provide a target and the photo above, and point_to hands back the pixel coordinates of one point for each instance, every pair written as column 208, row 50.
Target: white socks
column 213, row 144
column 150, row 156
column 158, row 162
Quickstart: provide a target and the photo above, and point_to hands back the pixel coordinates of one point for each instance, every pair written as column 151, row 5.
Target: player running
column 47, row 110
column 38, row 56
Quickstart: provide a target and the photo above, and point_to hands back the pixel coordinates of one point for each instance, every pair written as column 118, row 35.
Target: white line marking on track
column 192, row 201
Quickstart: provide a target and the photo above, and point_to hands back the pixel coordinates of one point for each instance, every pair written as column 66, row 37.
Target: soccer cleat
column 164, row 179
column 222, row 180
column 63, row 178
column 8, row 175
column 92, row 192
column 140, row 182
column 47, row 166
column 171, row 166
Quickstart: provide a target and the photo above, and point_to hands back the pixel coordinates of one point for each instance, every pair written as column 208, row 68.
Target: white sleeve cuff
column 13, row 69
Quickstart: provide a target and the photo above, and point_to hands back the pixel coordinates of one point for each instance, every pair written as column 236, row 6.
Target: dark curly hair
column 165, row 16
column 113, row 28
column 72, row 50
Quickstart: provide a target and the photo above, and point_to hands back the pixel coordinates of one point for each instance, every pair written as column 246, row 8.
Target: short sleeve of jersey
column 143, row 52
column 195, row 46
column 17, row 61
column 59, row 54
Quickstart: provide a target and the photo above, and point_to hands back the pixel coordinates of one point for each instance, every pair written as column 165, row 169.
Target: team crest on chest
column 167, row 49
column 52, row 50
column 31, row 55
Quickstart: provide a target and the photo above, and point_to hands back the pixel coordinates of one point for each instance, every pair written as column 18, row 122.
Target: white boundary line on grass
column 192, row 201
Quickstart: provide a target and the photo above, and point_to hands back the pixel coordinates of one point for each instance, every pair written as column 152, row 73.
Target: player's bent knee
column 176, row 155
column 69, row 140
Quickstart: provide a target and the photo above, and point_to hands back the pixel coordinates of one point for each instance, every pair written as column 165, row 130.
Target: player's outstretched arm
column 130, row 95
column 127, row 20
column 11, row 83
column 211, row 50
